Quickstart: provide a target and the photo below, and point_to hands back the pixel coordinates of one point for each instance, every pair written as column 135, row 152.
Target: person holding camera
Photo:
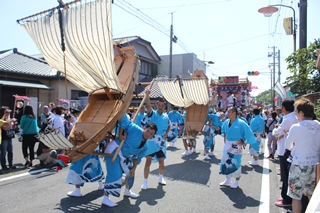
column 7, row 134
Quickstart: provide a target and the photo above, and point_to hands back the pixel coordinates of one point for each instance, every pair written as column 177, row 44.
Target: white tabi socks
column 161, row 180
column 75, row 193
column 106, row 201
column 145, row 184
column 226, row 182
column 235, row 184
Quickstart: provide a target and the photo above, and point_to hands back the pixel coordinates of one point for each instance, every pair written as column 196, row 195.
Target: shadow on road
column 200, row 172
column 85, row 204
column 81, row 204
column 248, row 168
column 173, row 149
column 241, row 201
column 150, row 196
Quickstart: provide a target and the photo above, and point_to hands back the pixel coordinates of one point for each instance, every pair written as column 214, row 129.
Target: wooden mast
column 49, row 10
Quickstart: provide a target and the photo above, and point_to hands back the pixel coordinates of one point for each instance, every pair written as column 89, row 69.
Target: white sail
column 89, row 54
column 192, row 91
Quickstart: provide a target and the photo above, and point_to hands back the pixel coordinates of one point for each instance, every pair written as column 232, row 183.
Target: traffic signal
column 253, row 73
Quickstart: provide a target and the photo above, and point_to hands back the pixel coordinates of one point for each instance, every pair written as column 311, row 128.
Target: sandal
column 281, row 204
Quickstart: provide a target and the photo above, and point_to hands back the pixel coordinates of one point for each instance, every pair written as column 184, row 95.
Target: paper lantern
column 275, row 99
column 19, row 104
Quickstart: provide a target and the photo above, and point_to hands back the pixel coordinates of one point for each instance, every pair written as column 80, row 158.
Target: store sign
column 228, row 79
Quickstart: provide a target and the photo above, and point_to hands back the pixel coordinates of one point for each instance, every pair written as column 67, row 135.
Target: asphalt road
column 192, row 186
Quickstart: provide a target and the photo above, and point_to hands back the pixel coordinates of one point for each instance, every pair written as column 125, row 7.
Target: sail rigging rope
column 63, row 47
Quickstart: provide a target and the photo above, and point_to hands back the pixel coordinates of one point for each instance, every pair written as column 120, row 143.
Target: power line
column 186, row 5
column 248, row 62
column 148, row 20
column 224, row 45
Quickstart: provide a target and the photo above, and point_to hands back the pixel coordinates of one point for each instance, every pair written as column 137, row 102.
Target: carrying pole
column 133, row 120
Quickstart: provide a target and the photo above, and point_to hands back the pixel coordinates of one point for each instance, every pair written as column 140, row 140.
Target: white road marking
column 23, row 174
column 265, row 184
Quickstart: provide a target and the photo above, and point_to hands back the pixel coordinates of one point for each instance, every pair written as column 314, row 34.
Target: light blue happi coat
column 208, row 138
column 232, row 153
column 123, row 163
column 162, row 122
column 175, row 119
column 139, row 118
column 257, row 126
column 87, row 169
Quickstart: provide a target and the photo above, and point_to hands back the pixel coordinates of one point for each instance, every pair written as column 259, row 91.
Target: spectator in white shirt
column 281, row 133
column 230, row 100
column 57, row 122
column 303, row 141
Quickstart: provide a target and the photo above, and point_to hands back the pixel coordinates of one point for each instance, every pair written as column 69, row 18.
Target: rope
column 63, row 47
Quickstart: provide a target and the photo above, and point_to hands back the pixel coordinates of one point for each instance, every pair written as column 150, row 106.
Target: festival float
column 80, row 45
column 190, row 93
column 239, row 87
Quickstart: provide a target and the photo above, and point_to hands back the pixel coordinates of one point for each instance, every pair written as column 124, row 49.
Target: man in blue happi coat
column 122, row 170
column 236, row 135
column 175, row 119
column 213, row 123
column 257, row 127
column 160, row 118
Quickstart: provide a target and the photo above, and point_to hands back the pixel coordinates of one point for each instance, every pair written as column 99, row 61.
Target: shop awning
column 23, row 83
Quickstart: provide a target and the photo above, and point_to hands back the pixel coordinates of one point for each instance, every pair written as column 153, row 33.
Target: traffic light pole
column 170, row 59
column 273, row 77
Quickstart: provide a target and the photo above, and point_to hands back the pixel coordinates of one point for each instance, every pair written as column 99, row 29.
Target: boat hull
column 196, row 114
column 105, row 108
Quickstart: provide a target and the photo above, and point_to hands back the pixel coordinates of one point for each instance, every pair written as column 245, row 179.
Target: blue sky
column 229, row 32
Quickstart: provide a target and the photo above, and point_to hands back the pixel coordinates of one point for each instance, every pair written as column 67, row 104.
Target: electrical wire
column 187, row 5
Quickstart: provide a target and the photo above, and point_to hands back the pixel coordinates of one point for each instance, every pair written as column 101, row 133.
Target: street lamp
column 209, row 62
column 268, row 11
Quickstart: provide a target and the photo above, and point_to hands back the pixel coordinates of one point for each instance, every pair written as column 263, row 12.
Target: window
column 148, row 69
column 77, row 93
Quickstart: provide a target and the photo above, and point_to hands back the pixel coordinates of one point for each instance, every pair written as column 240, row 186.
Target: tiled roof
column 130, row 40
column 14, row 61
column 155, row 90
column 125, row 40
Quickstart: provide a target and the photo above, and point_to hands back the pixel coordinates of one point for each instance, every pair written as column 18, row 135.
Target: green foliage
column 264, row 97
column 305, row 76
column 317, row 111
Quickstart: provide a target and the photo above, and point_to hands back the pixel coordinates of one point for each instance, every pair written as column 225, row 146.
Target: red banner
column 228, row 80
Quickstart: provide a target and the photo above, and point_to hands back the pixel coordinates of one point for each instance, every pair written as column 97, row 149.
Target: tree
column 264, row 97
column 317, row 111
column 302, row 64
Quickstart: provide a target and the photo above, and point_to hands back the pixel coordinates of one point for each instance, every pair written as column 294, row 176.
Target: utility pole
column 171, row 35
column 279, row 71
column 272, row 67
column 274, row 76
column 303, row 24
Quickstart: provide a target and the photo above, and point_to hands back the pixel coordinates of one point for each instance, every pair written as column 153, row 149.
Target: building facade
column 182, row 65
